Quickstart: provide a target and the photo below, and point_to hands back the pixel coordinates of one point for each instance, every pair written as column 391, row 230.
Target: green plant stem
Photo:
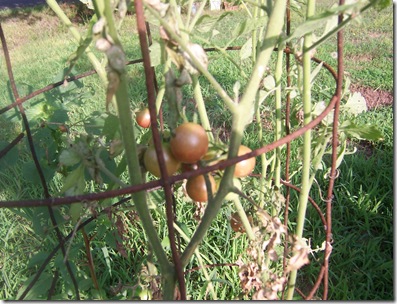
column 131, row 152
column 217, row 87
column 93, row 59
column 200, row 261
column 338, row 28
column 254, row 37
column 190, row 26
column 201, row 107
column 107, row 172
column 244, row 218
column 279, row 120
column 225, row 54
column 264, row 161
column 241, row 117
column 307, row 108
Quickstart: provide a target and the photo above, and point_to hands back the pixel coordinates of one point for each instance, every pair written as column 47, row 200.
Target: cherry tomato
column 190, row 143
column 143, row 118
column 246, row 166
column 188, row 167
column 151, row 163
column 197, row 189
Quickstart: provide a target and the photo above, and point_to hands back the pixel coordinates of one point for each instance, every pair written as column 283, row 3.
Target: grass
column 361, row 266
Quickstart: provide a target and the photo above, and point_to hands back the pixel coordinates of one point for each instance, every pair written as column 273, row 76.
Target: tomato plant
column 232, row 195
column 246, row 166
column 196, row 188
column 189, row 143
column 143, row 118
column 152, row 165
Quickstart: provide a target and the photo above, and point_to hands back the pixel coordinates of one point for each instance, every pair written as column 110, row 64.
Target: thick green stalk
column 254, row 37
column 307, row 138
column 200, row 261
column 93, row 59
column 131, row 153
column 244, row 218
column 273, row 31
column 201, row 106
column 279, row 120
column 241, row 116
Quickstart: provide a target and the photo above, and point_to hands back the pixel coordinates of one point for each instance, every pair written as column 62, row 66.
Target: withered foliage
column 258, row 272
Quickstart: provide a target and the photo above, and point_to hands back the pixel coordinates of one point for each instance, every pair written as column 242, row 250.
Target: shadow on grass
column 74, row 9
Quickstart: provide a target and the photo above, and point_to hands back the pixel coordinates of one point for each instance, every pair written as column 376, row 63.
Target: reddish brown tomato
column 190, row 143
column 143, row 118
column 246, row 166
column 152, row 165
column 197, row 189
column 188, row 167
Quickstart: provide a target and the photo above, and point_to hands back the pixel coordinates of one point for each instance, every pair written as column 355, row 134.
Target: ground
column 374, row 98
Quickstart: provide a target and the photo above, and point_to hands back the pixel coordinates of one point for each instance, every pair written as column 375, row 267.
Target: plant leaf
column 367, row 132
column 69, row 157
column 356, row 104
column 84, row 44
column 246, row 49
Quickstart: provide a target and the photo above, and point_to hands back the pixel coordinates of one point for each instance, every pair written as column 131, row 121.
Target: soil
column 374, row 98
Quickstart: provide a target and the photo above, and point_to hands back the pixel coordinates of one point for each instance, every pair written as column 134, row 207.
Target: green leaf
column 10, row 158
column 74, row 183
column 246, row 49
column 39, row 289
column 107, row 259
column 318, row 108
column 315, row 72
column 69, row 157
column 75, row 212
column 317, row 21
column 248, row 25
column 84, row 44
column 95, row 124
column 85, row 284
column 155, row 54
column 111, row 126
column 29, row 172
column 381, row 4
column 269, row 83
column 37, row 259
column 367, row 132
column 356, row 104
column 206, row 23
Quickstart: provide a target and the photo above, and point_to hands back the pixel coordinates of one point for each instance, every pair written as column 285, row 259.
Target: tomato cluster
column 188, row 145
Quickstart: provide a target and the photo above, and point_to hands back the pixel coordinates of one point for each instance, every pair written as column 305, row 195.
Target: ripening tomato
column 188, row 167
column 246, row 166
column 190, row 143
column 151, row 163
column 197, row 189
column 143, row 118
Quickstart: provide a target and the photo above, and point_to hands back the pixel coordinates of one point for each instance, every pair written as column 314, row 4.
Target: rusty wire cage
column 50, row 202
